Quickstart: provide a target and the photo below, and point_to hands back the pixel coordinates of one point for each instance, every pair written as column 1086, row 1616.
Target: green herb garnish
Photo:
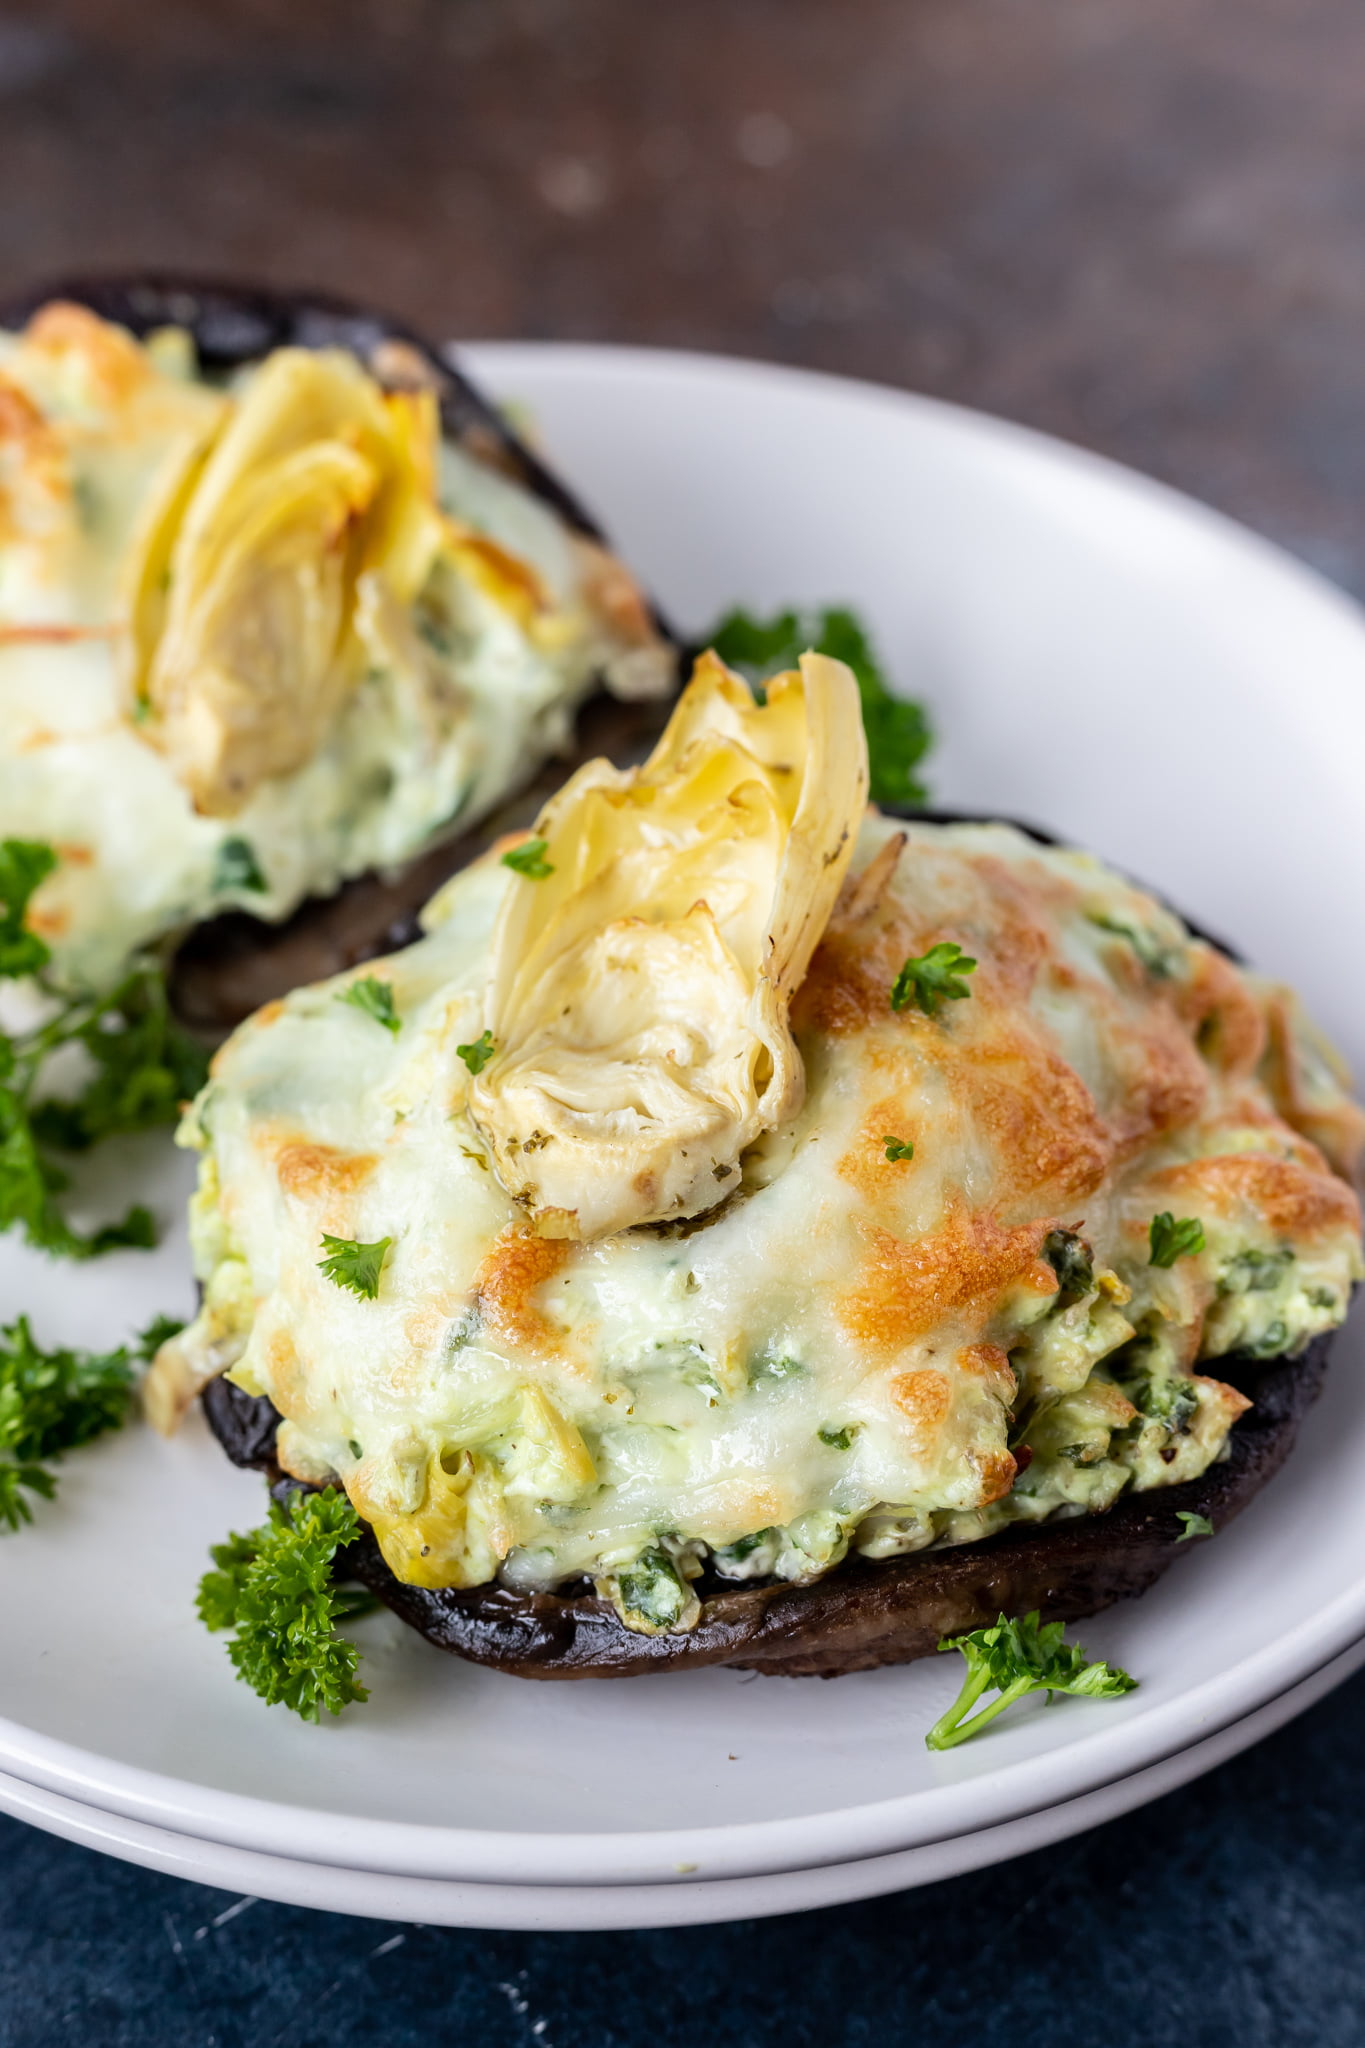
column 274, row 1589
column 933, row 978
column 529, row 859
column 1016, row 1658
column 1195, row 1525
column 24, row 863
column 1171, row 1238
column 898, row 734
column 51, row 1402
column 838, row 1439
column 477, row 1055
column 898, row 1149
column 373, row 998
column 354, row 1265
column 141, row 1067
column 236, row 867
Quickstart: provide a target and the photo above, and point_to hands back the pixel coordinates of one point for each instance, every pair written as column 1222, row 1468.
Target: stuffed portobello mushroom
column 750, row 1228
column 283, row 603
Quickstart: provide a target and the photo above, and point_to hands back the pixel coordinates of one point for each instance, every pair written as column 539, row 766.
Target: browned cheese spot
column 309, row 1172
column 1221, row 1014
column 1050, row 1144
column 865, row 1165
column 923, row 1400
column 1336, row 1128
column 1294, row 1201
column 517, row 1264
column 32, row 462
column 997, row 1471
column 1160, row 1082
column 904, row 1289
column 112, row 359
column 990, row 1363
column 288, row 1380
column 613, row 593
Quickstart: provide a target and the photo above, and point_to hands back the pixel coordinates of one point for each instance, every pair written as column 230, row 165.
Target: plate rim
column 837, row 1835
column 693, row 1902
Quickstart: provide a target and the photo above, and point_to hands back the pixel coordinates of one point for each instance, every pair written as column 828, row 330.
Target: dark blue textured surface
column 1228, row 1914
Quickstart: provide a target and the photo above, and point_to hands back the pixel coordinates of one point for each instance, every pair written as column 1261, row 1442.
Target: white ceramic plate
column 691, row 1902
column 1101, row 656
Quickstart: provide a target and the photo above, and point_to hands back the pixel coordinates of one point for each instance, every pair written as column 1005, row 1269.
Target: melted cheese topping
column 255, row 640
column 852, row 1349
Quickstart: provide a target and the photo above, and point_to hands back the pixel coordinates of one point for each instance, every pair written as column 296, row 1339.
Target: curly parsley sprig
column 51, row 1402
column 140, row 1066
column 1017, row 1658
column 273, row 1588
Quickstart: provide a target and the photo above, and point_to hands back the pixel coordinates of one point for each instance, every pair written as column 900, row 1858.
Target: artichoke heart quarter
column 640, row 989
column 319, row 477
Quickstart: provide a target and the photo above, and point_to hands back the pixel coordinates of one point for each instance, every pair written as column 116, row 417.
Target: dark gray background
column 1136, row 223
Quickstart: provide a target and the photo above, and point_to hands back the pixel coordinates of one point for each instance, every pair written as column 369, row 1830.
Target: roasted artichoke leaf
column 639, row 991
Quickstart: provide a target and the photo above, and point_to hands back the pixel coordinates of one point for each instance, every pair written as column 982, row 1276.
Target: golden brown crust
column 1294, row 1201
column 1048, row 1141
column 1337, row 1129
column 311, row 1173
column 1221, row 1014
column 905, row 1288
column 517, row 1265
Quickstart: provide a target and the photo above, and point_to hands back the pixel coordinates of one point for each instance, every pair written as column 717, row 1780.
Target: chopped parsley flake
column 236, row 867
column 477, row 1055
column 1174, row 1238
column 1195, row 1525
column 529, row 859
column 898, row 1149
column 373, row 998
column 353, row 1265
column 933, row 978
